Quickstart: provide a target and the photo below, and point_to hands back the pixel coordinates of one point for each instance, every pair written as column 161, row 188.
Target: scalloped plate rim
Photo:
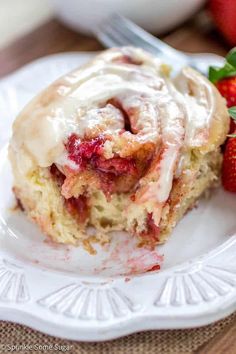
column 117, row 330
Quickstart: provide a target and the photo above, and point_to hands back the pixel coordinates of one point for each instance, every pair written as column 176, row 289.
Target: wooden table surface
column 197, row 35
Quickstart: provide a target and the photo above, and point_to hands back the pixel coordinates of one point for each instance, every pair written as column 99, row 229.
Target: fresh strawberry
column 229, row 161
column 227, row 88
column 223, row 13
column 229, row 165
column 225, row 80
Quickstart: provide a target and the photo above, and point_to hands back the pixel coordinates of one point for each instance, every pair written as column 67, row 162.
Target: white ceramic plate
column 64, row 291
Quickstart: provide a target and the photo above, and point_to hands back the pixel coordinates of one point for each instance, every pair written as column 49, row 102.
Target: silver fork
column 117, row 31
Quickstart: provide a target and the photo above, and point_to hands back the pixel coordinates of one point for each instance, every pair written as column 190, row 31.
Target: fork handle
column 202, row 61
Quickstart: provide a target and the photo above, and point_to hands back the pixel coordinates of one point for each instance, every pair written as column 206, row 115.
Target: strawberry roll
column 118, row 145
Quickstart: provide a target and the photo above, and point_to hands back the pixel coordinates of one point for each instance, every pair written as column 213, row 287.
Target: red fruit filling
column 82, row 152
column 57, row 175
column 77, row 207
column 155, row 267
column 112, row 175
column 88, row 154
column 152, row 232
column 117, row 166
column 127, row 59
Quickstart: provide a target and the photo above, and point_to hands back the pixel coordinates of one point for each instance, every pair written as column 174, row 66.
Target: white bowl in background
column 156, row 16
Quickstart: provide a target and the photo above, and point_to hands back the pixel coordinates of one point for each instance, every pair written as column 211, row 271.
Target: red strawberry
column 227, row 88
column 223, row 13
column 225, row 80
column 229, row 166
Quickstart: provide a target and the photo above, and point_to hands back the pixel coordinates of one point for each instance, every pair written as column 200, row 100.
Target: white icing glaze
column 199, row 104
column 175, row 114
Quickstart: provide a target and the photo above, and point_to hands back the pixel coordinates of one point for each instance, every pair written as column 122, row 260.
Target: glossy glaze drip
column 176, row 115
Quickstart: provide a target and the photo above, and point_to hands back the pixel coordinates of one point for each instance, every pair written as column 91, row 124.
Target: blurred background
column 34, row 28
column 18, row 17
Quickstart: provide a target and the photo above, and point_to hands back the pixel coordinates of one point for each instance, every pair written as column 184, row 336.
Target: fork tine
column 111, row 33
column 125, row 32
column 106, row 39
column 116, row 31
column 133, row 34
column 111, row 37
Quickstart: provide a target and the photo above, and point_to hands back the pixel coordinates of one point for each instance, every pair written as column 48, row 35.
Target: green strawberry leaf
column 216, row 73
column 229, row 69
column 231, row 57
column 232, row 112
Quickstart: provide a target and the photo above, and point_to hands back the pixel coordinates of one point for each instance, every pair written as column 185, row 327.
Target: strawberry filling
column 77, row 207
column 127, row 59
column 112, row 173
column 88, row 153
column 152, row 231
column 82, row 152
column 154, row 268
column 117, row 166
column 57, row 175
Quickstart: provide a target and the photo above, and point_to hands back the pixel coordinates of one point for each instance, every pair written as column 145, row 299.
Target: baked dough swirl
column 120, row 145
